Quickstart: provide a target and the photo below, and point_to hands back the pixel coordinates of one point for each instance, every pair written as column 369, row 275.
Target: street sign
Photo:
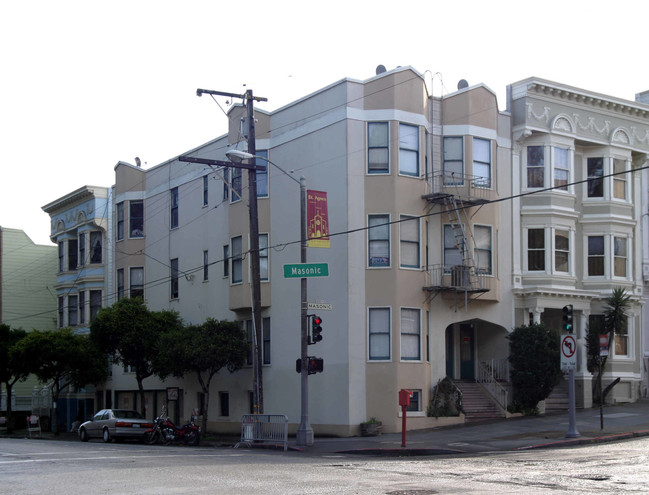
column 320, row 306
column 568, row 353
column 306, row 270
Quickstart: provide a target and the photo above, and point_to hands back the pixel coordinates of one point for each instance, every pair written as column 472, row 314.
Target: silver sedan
column 110, row 424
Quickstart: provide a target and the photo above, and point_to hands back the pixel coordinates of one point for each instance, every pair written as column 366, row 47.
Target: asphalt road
column 71, row 467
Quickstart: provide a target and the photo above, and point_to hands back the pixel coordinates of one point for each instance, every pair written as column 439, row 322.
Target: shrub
column 445, row 400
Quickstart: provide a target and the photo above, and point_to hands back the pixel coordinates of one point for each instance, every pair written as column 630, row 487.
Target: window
column 224, row 403
column 535, row 166
column 61, row 311
column 237, row 260
column 410, row 334
column 265, row 349
column 427, row 336
column 536, row 250
column 174, row 279
column 236, row 184
column 61, row 256
column 226, row 260
column 82, row 307
column 409, row 230
column 409, row 150
column 621, row 340
column 82, row 249
column 378, row 236
column 619, row 256
column 226, row 179
column 379, row 334
column 482, row 162
column 378, row 151
column 174, row 208
column 206, row 181
column 562, row 251
column 453, row 166
column 619, row 179
column 120, row 284
column 482, row 240
column 415, row 401
column 136, row 219
column 595, row 256
column 73, row 309
column 95, row 247
column 95, row 304
column 206, row 266
column 136, row 282
column 262, row 175
column 561, row 168
column 452, row 253
column 595, row 173
column 263, row 256
column 73, row 246
column 120, row 221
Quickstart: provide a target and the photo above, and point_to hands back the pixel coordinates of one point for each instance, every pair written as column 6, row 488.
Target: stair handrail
column 489, row 381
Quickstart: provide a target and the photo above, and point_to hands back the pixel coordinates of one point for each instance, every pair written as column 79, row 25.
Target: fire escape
column 456, row 194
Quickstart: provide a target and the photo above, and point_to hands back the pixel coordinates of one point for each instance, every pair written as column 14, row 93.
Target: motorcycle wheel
column 192, row 438
column 151, row 437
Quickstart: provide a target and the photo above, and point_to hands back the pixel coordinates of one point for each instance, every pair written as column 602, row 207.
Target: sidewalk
column 522, row 433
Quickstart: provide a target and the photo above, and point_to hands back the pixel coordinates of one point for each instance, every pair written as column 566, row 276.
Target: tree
column 535, row 363
column 12, row 370
column 61, row 358
column 614, row 321
column 131, row 334
column 203, row 349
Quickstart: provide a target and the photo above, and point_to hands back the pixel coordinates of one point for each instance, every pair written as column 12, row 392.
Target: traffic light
column 314, row 365
column 567, row 319
column 316, row 329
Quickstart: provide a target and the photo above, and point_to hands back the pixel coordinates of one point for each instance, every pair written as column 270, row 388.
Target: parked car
column 113, row 424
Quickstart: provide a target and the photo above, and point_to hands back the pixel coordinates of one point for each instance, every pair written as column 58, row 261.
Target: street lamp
column 304, row 434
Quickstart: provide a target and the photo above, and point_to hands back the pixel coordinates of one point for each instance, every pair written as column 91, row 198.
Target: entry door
column 450, row 350
column 467, row 356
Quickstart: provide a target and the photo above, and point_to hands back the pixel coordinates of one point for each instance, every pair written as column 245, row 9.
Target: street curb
column 571, row 442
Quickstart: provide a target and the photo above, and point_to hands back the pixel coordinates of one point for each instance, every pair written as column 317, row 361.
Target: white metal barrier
column 264, row 428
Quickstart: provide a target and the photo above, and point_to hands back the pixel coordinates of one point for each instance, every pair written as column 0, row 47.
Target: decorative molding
column 621, row 136
column 544, row 117
column 563, row 123
column 591, row 126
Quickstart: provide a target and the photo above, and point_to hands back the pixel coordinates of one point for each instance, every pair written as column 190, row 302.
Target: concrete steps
column 558, row 399
column 477, row 404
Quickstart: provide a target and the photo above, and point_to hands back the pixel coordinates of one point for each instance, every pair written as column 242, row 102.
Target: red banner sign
column 317, row 219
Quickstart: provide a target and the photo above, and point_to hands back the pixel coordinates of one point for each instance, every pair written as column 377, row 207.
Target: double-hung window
column 536, row 250
column 61, row 256
column 226, row 260
column 596, row 256
column 620, row 178
column 378, row 149
column 409, row 150
column 620, row 257
column 236, row 185
column 136, row 282
column 409, row 232
column 562, row 251
column 483, row 250
column 73, row 247
column 482, row 162
column 174, row 208
column 265, row 334
column 453, row 164
column 120, row 283
column 561, row 168
column 595, row 175
column 379, row 334
column 206, row 266
column 82, row 307
column 95, row 247
column 120, row 221
column 136, row 218
column 226, row 180
column 237, row 260
column 73, row 310
column 452, row 253
column 82, row 249
column 535, row 166
column 95, row 304
column 206, row 190
column 263, row 256
column 378, row 236
column 410, row 334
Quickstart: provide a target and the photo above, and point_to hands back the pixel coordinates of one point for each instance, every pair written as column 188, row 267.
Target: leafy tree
column 12, row 370
column 535, row 363
column 131, row 334
column 614, row 321
column 62, row 358
column 203, row 349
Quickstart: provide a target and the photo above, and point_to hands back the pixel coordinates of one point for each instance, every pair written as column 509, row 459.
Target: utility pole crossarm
column 220, row 163
column 200, row 92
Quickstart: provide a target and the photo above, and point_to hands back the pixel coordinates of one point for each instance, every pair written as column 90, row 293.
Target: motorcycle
column 164, row 429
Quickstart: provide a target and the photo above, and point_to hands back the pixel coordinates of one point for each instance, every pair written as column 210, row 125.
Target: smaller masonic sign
column 306, row 270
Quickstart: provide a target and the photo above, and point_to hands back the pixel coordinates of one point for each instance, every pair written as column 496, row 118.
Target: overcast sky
column 86, row 84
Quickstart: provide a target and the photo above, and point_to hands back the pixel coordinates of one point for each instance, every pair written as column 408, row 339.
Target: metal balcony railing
column 458, row 278
column 465, row 188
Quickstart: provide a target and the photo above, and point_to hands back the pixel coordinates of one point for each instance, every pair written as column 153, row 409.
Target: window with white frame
column 263, row 256
column 73, row 310
column 136, row 282
column 620, row 255
column 535, row 250
column 409, row 240
column 95, row 304
column 415, row 401
column 378, row 235
column 237, row 260
column 482, row 162
column 621, row 340
column 595, row 175
column 561, row 168
column 620, row 178
column 483, row 249
column 262, row 175
column 452, row 253
column 453, row 163
column 120, row 221
column 96, row 238
column 410, row 334
column 173, row 194
column 596, row 256
column 379, row 337
column 378, row 149
column 136, row 219
column 562, row 251
column 409, row 150
column 82, row 249
column 206, row 190
column 535, row 166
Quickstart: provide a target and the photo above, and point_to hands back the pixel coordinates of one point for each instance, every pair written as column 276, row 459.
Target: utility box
column 404, row 397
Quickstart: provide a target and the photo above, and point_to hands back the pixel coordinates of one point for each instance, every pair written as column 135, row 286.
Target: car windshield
column 127, row 414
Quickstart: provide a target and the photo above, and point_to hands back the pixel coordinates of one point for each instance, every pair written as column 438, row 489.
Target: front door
column 467, row 358
column 450, row 350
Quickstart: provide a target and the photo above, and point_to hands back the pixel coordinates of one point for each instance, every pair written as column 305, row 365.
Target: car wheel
column 106, row 436
column 83, row 434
